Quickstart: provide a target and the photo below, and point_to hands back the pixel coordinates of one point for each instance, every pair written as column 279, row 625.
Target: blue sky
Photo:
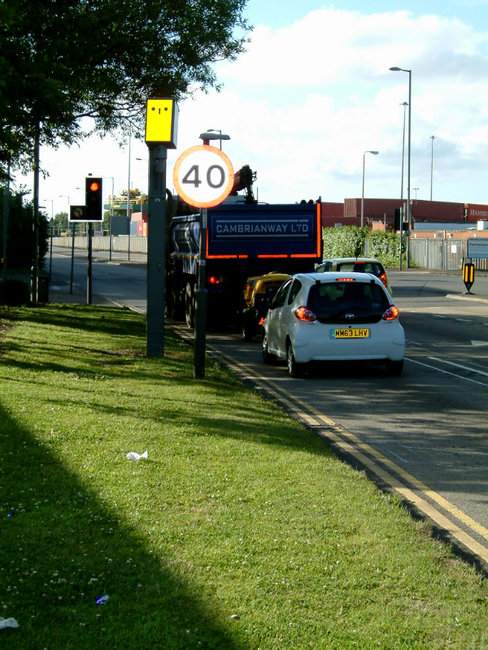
column 314, row 92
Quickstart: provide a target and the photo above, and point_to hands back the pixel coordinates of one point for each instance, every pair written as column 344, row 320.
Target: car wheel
column 294, row 369
column 267, row 356
column 394, row 368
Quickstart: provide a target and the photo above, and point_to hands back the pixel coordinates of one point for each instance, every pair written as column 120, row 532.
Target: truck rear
column 242, row 241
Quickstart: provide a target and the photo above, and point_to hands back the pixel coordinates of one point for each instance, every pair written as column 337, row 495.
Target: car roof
column 334, row 260
column 333, row 276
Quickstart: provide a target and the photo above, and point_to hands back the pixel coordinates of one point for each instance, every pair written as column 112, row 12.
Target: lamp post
column 110, row 218
column 375, row 153
column 432, row 137
column 409, row 215
column 416, row 189
column 404, row 104
column 219, row 131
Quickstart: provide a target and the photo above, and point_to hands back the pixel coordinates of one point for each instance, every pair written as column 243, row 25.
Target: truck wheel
column 189, row 305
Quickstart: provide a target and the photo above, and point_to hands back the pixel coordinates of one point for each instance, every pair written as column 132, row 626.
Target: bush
column 14, row 292
column 352, row 241
column 346, row 241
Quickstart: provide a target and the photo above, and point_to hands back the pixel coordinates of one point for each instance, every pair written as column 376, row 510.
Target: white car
column 333, row 317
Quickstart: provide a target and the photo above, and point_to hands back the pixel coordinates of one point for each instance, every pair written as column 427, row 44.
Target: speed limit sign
column 203, row 176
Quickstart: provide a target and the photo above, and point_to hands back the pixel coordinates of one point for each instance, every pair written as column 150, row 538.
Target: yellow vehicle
column 258, row 294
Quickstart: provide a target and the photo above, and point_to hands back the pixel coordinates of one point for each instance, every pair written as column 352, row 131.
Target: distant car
column 333, row 316
column 258, row 295
column 358, row 265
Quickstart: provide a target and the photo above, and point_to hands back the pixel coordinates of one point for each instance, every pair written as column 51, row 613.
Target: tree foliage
column 61, row 60
column 352, row 241
column 20, row 238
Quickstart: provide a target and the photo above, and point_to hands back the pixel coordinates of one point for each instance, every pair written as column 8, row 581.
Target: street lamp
column 409, row 219
column 110, row 218
column 217, row 131
column 213, row 134
column 404, row 104
column 432, row 137
column 416, row 189
column 375, row 153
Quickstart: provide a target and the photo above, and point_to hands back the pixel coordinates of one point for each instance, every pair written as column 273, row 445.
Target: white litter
column 132, row 455
column 8, row 622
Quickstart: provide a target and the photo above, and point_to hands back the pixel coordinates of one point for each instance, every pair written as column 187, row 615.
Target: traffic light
column 93, row 199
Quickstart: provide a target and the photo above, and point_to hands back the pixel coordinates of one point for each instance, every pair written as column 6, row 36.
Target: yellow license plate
column 349, row 333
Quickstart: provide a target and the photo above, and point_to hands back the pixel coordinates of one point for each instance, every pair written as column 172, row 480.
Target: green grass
column 241, row 530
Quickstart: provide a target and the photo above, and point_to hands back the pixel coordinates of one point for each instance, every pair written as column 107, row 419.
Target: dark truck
column 243, row 240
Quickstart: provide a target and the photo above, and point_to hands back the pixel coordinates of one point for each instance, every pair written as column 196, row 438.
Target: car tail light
column 345, row 279
column 391, row 313
column 261, row 320
column 305, row 315
column 212, row 279
column 383, row 278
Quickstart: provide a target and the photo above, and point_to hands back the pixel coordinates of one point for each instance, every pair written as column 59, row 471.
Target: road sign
column 203, row 176
column 477, row 247
column 468, row 275
column 77, row 213
column 162, row 122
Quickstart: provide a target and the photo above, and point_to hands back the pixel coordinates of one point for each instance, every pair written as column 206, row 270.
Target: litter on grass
column 101, row 600
column 132, row 455
column 7, row 622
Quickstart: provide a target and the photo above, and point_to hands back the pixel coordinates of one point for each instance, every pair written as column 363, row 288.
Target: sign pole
column 161, row 128
column 90, row 266
column 156, row 250
column 201, row 303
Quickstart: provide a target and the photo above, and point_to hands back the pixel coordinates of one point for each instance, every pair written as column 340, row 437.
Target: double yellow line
column 392, row 475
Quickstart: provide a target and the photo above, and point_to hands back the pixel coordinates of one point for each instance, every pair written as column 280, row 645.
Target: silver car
column 333, row 317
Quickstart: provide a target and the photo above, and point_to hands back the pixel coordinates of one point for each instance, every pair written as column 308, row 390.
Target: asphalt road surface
column 423, row 434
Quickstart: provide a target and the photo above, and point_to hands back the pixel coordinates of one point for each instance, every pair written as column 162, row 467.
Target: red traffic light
column 94, row 186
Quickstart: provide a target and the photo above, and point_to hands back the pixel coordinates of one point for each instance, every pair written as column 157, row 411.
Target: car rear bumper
column 386, row 341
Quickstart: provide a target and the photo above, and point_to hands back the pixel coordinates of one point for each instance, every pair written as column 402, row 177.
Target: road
column 423, row 434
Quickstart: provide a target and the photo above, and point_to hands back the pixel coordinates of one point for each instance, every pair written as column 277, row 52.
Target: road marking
column 361, row 451
column 445, row 372
column 458, row 365
column 479, row 343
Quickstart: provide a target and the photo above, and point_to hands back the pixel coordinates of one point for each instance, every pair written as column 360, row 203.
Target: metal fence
column 442, row 254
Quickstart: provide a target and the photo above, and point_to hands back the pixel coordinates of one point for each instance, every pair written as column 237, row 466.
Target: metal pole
column 110, row 221
column 362, row 191
column 156, row 249
column 90, row 266
column 6, row 196
column 35, row 223
column 432, row 137
column 201, row 302
column 72, row 256
column 128, row 202
column 409, row 207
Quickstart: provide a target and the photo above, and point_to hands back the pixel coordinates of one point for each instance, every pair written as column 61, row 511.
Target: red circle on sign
column 203, row 176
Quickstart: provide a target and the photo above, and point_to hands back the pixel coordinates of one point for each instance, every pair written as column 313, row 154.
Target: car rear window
column 335, row 297
column 362, row 267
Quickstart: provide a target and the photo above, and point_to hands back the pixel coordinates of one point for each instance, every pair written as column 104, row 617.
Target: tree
column 64, row 60
column 20, row 234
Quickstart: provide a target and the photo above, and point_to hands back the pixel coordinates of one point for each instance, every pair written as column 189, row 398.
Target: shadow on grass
column 61, row 548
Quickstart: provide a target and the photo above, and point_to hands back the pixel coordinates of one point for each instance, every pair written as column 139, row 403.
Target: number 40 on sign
column 203, row 176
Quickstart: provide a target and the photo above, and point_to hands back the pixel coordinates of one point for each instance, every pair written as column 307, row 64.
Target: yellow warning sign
column 162, row 121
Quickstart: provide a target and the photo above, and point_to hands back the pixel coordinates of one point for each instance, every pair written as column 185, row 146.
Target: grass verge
column 240, row 530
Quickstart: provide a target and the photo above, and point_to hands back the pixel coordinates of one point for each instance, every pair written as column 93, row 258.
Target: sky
column 313, row 93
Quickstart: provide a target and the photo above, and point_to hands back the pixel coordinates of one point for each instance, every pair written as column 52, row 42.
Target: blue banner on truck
column 264, row 231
